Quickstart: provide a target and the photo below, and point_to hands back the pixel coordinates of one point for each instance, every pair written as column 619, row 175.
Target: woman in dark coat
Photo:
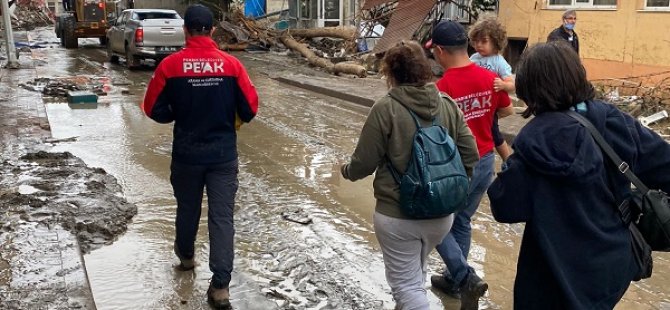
column 576, row 250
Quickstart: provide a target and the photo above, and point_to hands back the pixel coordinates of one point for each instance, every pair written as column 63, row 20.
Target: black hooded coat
column 576, row 251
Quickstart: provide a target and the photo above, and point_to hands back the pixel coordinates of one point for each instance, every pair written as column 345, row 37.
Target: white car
column 139, row 34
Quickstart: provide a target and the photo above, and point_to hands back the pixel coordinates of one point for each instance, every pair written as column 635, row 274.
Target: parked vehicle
column 82, row 19
column 139, row 34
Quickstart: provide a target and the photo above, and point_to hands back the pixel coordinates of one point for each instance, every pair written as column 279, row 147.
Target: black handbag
column 650, row 229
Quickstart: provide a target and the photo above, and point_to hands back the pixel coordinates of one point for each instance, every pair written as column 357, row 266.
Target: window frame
column 655, row 8
column 588, row 5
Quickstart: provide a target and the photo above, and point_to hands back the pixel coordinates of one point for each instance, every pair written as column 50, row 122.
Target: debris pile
column 30, row 14
column 36, row 190
column 60, row 86
column 330, row 48
column 645, row 97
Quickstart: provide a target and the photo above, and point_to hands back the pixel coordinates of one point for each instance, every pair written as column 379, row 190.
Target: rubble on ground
column 646, row 98
column 30, row 14
column 322, row 47
column 59, row 189
column 59, row 86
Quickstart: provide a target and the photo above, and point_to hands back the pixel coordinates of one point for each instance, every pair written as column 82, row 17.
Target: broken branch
column 329, row 32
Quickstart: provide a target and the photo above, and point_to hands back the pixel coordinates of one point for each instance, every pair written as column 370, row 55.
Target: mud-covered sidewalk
column 53, row 208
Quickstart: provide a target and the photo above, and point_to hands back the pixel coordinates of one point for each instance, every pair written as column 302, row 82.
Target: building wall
column 276, row 5
column 348, row 13
column 614, row 43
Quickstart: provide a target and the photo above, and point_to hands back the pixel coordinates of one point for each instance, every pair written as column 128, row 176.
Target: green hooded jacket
column 388, row 134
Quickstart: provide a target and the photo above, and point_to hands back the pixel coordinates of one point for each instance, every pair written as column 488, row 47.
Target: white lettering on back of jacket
column 203, row 66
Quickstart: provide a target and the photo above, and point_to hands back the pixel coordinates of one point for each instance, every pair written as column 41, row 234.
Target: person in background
column 386, row 138
column 576, row 249
column 489, row 38
column 68, row 5
column 471, row 87
column 566, row 32
column 202, row 89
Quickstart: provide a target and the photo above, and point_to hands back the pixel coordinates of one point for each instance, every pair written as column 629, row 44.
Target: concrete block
column 82, row 99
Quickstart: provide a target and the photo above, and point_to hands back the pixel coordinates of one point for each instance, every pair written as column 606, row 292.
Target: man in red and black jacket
column 202, row 89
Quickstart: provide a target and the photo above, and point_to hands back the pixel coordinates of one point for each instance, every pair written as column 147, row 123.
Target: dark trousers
column 188, row 183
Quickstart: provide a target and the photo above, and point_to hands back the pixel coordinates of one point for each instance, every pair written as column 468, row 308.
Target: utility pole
column 12, row 61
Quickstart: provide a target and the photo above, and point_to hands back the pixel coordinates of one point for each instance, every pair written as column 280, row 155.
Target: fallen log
column 350, row 68
column 233, row 46
column 317, row 61
column 307, row 53
column 329, row 32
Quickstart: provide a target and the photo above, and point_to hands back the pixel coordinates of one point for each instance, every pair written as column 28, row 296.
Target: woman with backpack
column 386, row 141
column 576, row 251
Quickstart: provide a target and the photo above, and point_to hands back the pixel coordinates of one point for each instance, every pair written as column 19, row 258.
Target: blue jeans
column 188, row 183
column 455, row 247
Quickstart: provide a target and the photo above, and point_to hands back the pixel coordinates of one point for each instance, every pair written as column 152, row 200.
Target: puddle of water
column 27, row 190
column 274, row 258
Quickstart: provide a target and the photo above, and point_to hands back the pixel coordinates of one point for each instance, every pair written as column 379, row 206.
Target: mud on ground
column 59, row 189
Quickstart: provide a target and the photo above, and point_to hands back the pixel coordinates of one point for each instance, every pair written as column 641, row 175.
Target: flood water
column 289, row 162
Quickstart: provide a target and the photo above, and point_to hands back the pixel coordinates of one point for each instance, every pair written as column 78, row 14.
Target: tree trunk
column 233, row 46
column 317, row 61
column 348, row 33
column 307, row 53
column 350, row 68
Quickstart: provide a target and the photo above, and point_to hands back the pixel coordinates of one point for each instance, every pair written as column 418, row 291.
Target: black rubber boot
column 472, row 289
column 185, row 264
column 447, row 287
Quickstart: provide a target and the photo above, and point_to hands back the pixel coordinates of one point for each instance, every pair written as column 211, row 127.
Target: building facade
column 618, row 38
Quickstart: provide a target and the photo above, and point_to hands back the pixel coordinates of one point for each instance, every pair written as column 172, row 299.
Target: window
column 658, row 4
column 156, row 15
column 585, row 3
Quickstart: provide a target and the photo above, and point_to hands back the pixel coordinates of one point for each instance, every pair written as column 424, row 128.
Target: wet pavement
column 289, row 168
column 41, row 265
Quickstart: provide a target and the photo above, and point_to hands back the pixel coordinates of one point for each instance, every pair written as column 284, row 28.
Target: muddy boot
column 473, row 289
column 447, row 287
column 219, row 298
column 185, row 264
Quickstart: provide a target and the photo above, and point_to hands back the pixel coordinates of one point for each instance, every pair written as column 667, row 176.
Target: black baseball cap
column 448, row 33
column 198, row 18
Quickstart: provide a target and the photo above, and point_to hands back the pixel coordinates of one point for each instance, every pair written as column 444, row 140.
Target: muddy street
column 289, row 171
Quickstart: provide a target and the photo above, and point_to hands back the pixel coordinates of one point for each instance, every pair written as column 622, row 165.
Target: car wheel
column 131, row 61
column 110, row 55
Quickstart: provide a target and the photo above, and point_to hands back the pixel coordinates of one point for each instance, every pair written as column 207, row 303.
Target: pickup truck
column 139, row 34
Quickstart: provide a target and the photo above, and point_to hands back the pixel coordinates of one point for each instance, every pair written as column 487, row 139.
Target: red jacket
column 201, row 88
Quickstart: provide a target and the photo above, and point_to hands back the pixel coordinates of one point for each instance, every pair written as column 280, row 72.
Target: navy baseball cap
column 448, row 33
column 198, row 18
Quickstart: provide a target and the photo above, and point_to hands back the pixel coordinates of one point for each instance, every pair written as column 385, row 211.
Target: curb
column 327, row 91
column 509, row 126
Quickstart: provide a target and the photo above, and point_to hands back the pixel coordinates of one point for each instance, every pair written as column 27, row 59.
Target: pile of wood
column 639, row 95
column 29, row 14
column 241, row 33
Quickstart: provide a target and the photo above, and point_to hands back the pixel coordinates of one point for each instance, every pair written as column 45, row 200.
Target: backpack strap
column 621, row 165
column 394, row 172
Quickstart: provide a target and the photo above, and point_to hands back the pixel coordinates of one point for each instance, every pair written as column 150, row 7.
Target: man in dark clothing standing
column 202, row 89
column 566, row 31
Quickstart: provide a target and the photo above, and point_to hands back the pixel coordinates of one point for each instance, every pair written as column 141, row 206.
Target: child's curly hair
column 406, row 64
column 491, row 27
